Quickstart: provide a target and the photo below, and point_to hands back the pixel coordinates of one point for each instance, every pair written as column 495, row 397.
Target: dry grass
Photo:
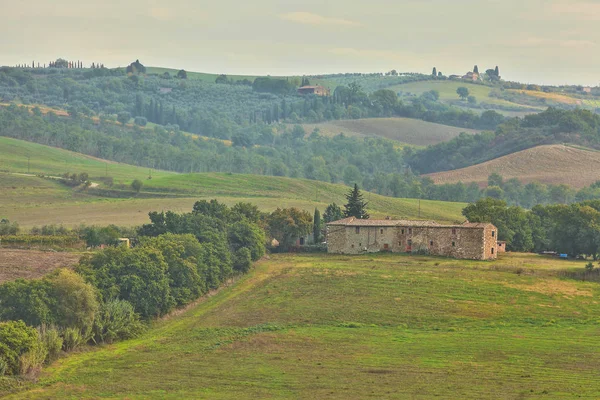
column 31, row 264
column 551, row 164
column 403, row 130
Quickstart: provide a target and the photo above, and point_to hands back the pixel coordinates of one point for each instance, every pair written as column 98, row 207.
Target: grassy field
column 33, row 201
column 404, row 130
column 53, row 161
column 447, row 90
column 556, row 164
column 373, row 326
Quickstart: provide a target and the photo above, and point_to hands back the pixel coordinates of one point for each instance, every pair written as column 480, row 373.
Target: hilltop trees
column 356, row 206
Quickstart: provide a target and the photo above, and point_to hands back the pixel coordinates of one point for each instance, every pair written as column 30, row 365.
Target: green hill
column 31, row 200
column 373, row 326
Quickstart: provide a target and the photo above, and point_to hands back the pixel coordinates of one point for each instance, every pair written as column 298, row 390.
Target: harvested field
column 403, row 130
column 555, row 164
column 31, row 264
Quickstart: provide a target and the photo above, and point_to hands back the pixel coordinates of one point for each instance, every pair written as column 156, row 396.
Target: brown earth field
column 404, row 130
column 550, row 164
column 31, row 264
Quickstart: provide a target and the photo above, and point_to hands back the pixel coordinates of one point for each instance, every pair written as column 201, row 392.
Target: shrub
column 3, row 366
column 72, row 339
column 16, row 339
column 30, row 363
column 52, row 341
column 116, row 320
column 589, row 266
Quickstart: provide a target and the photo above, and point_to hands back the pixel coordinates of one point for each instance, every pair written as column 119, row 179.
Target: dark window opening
column 386, row 246
column 431, row 242
column 403, row 231
column 301, row 241
column 360, row 245
column 352, row 246
column 381, row 231
column 410, row 231
column 493, row 233
column 453, row 244
column 454, row 231
column 492, row 250
column 357, row 229
column 410, row 242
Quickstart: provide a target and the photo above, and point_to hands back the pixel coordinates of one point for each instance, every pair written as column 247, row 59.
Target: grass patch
column 373, row 326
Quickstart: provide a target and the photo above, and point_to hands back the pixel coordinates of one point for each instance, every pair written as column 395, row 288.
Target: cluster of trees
column 572, row 229
column 179, row 257
column 551, row 126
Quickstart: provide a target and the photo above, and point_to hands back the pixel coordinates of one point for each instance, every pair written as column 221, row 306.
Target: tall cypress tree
column 317, row 226
column 476, row 69
column 356, row 206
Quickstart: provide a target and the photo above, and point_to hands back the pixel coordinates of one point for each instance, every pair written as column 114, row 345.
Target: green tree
column 181, row 74
column 434, row 72
column 472, row 100
column 287, row 225
column 356, row 206
column 137, row 185
column 333, row 212
column 317, row 226
column 476, row 69
column 462, row 92
column 123, row 117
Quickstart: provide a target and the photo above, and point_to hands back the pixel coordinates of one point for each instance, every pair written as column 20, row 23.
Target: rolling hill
column 403, row 130
column 31, row 200
column 555, row 164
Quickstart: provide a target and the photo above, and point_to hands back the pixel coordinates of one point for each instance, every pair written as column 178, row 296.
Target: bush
column 30, row 363
column 116, row 320
column 3, row 366
column 52, row 341
column 72, row 338
column 16, row 339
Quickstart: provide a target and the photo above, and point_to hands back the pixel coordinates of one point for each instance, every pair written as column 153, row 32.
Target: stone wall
column 449, row 241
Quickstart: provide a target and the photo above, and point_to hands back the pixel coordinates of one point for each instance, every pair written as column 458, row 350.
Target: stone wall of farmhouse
column 457, row 242
column 371, row 239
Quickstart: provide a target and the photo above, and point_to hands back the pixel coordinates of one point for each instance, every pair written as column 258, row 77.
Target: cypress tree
column 356, row 206
column 497, row 72
column 476, row 69
column 317, row 226
column 434, row 72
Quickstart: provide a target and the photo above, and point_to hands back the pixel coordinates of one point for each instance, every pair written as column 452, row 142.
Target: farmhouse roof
column 352, row 221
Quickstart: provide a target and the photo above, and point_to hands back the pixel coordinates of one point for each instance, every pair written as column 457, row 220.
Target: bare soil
column 31, row 264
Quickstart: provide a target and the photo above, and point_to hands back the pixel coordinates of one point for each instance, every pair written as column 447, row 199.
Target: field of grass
column 403, row 130
column 555, row 164
column 47, row 160
column 32, row 201
column 373, row 326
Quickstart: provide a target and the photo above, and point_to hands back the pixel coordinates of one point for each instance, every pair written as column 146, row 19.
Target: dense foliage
column 568, row 229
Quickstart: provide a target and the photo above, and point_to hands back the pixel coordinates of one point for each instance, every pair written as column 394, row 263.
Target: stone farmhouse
column 316, row 90
column 477, row 241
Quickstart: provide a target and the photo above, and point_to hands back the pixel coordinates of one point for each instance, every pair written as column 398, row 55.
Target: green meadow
column 372, row 326
column 31, row 200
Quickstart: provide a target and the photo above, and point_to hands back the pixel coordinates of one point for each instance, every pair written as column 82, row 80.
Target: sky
column 533, row 41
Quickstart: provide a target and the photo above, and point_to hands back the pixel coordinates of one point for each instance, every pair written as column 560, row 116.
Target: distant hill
column 550, row 164
column 404, row 130
column 31, row 200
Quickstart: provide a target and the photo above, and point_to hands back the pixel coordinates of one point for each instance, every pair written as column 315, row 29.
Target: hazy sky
column 542, row 41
